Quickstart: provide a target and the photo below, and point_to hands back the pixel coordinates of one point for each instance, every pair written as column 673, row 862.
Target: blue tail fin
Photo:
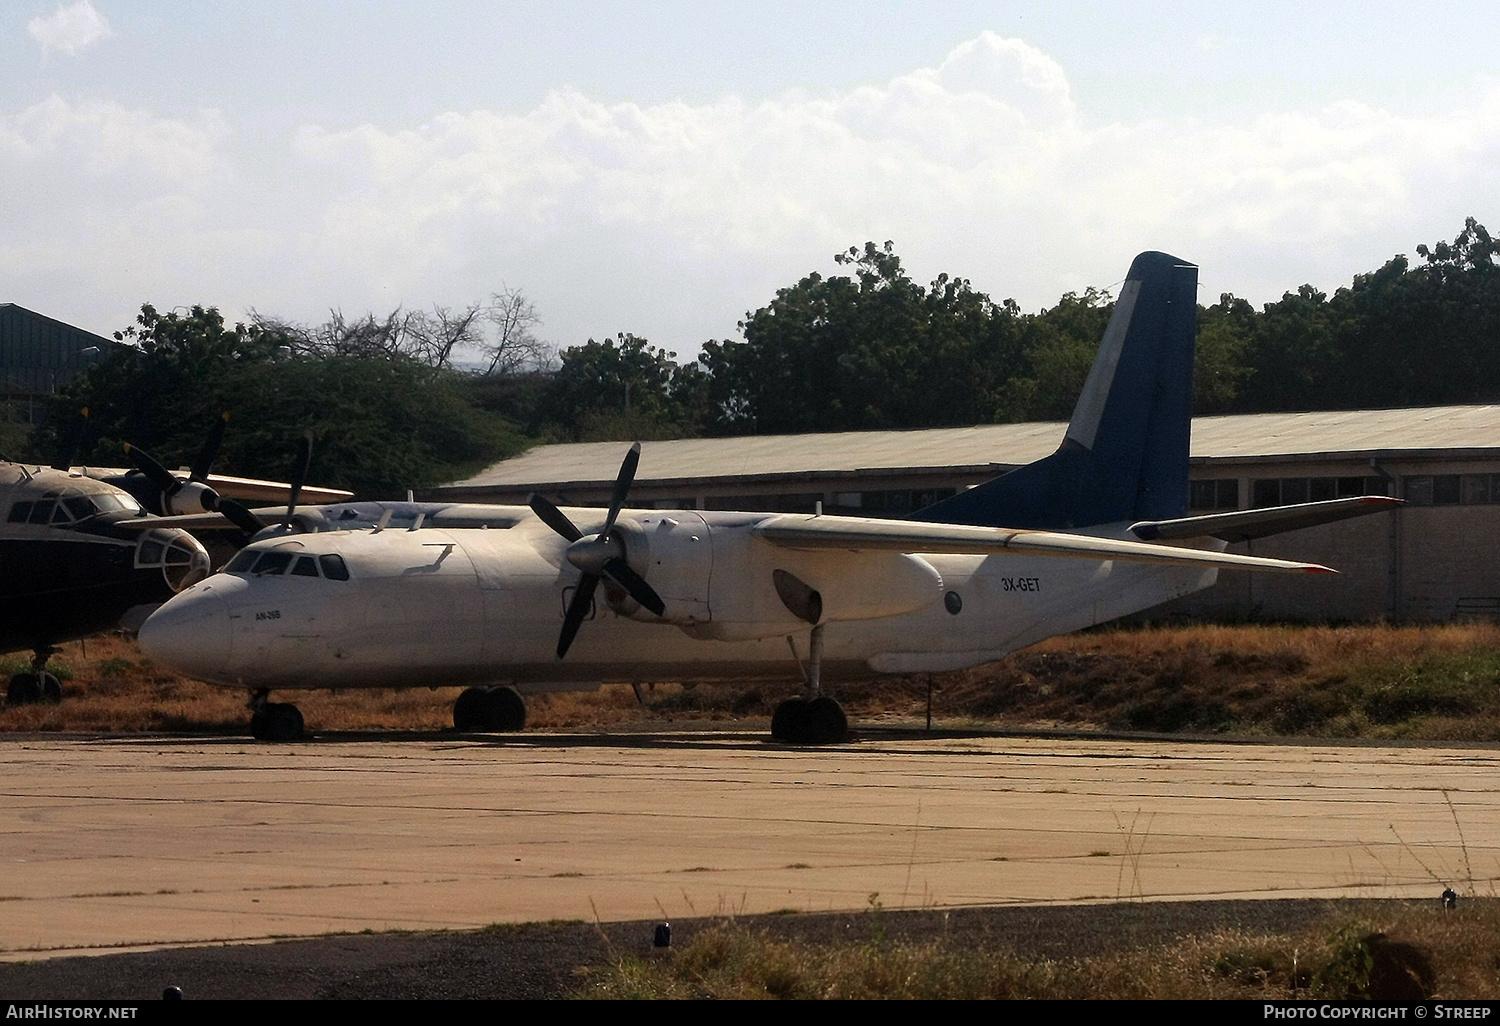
column 1125, row 454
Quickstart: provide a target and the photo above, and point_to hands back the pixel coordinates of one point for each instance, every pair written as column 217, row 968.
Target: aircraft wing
column 188, row 521
column 806, row 531
column 252, row 490
column 1247, row 524
column 239, row 488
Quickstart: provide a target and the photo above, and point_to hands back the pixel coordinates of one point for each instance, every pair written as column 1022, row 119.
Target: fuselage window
column 272, row 563
column 305, row 566
column 333, row 566
column 20, row 512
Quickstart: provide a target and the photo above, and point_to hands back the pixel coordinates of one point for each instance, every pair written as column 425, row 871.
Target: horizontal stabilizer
column 1248, row 524
column 804, row 531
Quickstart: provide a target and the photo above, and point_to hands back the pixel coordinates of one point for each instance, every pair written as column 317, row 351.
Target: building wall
column 39, row 355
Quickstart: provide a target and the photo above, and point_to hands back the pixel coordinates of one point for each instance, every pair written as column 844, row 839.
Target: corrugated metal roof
column 40, row 354
column 990, row 446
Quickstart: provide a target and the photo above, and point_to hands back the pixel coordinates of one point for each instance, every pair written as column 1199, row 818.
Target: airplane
column 69, row 567
column 1077, row 538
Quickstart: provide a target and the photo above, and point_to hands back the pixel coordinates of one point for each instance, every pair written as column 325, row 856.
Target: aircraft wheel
column 51, row 688
column 506, row 709
column 818, row 721
column 469, row 710
column 788, row 721
column 826, row 722
column 277, row 721
column 25, row 689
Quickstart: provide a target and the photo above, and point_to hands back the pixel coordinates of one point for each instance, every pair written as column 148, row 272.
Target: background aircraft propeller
column 299, row 475
column 601, row 555
column 68, row 448
column 170, row 485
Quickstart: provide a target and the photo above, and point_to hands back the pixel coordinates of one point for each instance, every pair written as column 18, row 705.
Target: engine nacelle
column 717, row 580
column 673, row 551
column 192, row 497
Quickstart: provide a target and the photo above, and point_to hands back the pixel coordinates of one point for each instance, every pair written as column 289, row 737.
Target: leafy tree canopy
column 382, row 422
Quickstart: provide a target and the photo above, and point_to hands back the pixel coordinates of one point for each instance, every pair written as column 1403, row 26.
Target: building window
column 1289, row 491
column 1219, row 493
column 1451, row 489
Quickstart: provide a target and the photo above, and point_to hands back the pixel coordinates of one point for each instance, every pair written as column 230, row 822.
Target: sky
column 663, row 168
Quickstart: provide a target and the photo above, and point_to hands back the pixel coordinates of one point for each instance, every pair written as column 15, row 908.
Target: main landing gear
column 35, row 685
column 274, row 721
column 485, row 709
column 811, row 718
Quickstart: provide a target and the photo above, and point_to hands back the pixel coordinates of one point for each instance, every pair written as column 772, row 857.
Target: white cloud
column 671, row 220
column 70, row 30
column 969, row 164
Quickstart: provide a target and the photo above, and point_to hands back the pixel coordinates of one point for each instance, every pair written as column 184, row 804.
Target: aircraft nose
column 182, row 558
column 190, row 633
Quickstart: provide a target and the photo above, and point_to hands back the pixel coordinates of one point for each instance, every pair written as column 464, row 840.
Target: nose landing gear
column 274, row 721
column 35, row 685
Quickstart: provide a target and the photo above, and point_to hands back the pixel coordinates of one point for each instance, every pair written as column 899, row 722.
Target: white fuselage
column 435, row 607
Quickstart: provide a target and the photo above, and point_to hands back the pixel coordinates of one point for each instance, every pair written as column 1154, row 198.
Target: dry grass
column 1414, row 952
column 1377, row 681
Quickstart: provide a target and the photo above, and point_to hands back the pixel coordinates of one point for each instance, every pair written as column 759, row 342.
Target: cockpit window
column 20, row 512
column 305, row 566
column 108, row 502
column 41, row 512
column 242, row 561
column 272, row 563
column 333, row 566
column 81, row 506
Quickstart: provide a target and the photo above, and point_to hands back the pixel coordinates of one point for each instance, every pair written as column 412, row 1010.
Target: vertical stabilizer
column 1125, row 454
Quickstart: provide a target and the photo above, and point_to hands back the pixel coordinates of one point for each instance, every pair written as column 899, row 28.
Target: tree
column 870, row 350
column 383, row 420
column 622, row 388
column 513, row 346
column 1219, row 369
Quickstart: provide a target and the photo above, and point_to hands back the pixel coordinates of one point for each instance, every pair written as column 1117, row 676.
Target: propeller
column 299, row 475
column 68, row 448
column 179, row 496
column 598, row 556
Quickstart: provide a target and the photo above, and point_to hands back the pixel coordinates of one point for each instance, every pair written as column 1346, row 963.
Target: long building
column 40, row 354
column 1429, row 561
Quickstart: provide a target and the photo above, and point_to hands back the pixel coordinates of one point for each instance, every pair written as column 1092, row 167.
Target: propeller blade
column 71, row 441
column 299, row 474
column 619, row 571
column 210, row 451
column 615, row 567
column 553, row 517
column 583, row 598
column 157, row 474
column 622, row 486
column 240, row 516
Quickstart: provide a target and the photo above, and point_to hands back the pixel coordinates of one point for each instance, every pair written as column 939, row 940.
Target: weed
column 1377, row 681
column 1338, row 958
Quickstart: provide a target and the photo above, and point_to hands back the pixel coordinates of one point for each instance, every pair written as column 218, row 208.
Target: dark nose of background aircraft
column 191, row 632
column 182, row 558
